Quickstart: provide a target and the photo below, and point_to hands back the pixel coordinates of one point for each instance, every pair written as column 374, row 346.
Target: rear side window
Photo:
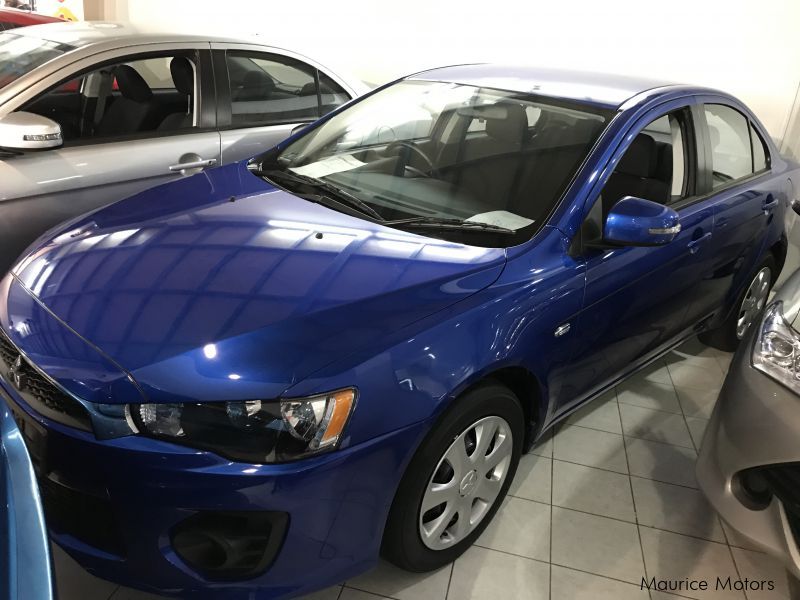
column 268, row 89
column 731, row 149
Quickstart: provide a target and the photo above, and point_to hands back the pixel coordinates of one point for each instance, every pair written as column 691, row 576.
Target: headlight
column 777, row 349
column 252, row 431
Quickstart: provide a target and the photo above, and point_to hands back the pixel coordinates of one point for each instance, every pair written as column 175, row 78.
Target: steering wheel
column 418, row 151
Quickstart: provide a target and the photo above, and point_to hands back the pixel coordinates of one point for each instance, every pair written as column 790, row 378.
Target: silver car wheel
column 465, row 483
column 754, row 301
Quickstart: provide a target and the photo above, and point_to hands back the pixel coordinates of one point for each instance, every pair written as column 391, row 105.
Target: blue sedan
column 260, row 378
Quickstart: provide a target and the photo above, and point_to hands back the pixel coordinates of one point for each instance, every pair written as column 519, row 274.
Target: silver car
column 91, row 113
column 749, row 463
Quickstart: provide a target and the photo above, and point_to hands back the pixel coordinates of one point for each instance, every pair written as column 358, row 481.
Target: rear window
column 19, row 55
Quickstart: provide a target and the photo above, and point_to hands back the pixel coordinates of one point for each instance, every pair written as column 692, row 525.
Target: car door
column 127, row 126
column 637, row 298
column 744, row 197
column 264, row 95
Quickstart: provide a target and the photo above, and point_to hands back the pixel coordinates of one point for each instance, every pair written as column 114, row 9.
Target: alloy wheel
column 465, row 483
column 753, row 301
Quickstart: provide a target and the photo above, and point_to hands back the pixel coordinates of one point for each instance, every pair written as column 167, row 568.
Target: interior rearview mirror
column 24, row 131
column 638, row 222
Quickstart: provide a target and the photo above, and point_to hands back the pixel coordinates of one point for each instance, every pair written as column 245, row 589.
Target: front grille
column 86, row 517
column 784, row 482
column 38, row 391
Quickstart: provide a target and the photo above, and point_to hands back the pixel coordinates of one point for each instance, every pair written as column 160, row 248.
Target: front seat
column 256, row 85
column 134, row 110
column 182, row 73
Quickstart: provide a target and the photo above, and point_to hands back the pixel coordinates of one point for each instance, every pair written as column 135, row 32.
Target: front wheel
column 749, row 308
column 456, row 480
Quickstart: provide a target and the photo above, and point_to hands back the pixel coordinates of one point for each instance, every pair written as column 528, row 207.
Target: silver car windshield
column 21, row 54
column 449, row 154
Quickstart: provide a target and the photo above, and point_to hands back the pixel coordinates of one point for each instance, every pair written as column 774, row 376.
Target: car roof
column 606, row 90
column 86, row 33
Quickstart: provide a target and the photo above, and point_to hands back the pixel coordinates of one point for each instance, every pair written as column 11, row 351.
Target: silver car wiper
column 445, row 223
column 337, row 193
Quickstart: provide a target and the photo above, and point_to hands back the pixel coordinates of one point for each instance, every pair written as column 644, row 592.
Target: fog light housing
column 230, row 545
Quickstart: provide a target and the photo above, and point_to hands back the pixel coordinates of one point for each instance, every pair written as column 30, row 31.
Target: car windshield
column 21, row 54
column 460, row 162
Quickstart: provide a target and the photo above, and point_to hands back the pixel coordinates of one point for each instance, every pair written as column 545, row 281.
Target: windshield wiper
column 443, row 223
column 335, row 192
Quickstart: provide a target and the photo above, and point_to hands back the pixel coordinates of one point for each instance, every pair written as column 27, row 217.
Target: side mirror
column 796, row 206
column 20, row 131
column 637, row 222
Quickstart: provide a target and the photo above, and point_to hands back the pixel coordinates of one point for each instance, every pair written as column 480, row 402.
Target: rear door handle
column 769, row 202
column 694, row 245
column 202, row 163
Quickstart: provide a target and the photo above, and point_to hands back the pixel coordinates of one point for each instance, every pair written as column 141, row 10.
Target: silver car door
column 266, row 93
column 108, row 161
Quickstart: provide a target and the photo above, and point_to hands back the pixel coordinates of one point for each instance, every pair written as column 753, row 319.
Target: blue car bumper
column 116, row 505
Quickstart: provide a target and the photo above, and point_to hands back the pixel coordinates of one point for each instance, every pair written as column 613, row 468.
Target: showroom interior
column 609, row 500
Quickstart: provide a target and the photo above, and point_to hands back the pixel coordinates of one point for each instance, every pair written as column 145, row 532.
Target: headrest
column 640, row 158
column 182, row 73
column 512, row 127
column 256, row 85
column 131, row 84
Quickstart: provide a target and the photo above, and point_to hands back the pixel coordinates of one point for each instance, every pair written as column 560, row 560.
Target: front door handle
column 200, row 163
column 694, row 245
column 769, row 203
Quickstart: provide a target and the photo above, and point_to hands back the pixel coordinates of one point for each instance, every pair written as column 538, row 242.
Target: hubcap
column 754, row 301
column 465, row 483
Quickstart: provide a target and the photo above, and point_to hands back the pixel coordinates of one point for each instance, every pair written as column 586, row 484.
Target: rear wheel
column 456, row 480
column 748, row 311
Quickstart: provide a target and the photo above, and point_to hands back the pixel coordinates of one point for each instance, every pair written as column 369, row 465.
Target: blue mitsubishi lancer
column 255, row 381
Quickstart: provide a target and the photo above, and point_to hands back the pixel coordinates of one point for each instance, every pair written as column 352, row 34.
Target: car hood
column 223, row 287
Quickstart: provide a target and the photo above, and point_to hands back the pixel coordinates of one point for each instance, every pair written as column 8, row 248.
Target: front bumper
column 755, row 424
column 125, row 497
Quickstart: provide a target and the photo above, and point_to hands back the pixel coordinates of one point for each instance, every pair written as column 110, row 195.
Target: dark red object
column 10, row 18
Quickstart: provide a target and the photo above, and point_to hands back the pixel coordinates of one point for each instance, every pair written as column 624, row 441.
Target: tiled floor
column 607, row 499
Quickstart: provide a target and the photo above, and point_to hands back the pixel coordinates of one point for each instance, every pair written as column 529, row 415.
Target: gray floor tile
column 332, row 593
column 655, row 425
column 649, row 394
column 388, row 580
column 688, row 375
column 697, row 429
column 74, row 583
column 675, row 508
column 532, row 480
column 694, row 352
column 591, row 448
column 482, row 574
column 601, row 413
column 544, row 447
column 757, row 566
column 520, row 527
column 351, row 594
column 655, row 372
column 596, row 544
column 698, row 403
column 737, row 540
column 568, row 584
column 670, row 556
column 662, row 462
column 592, row 490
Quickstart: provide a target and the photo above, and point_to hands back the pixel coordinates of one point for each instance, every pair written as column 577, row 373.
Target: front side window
column 447, row 158
column 152, row 96
column 268, row 89
column 20, row 54
column 731, row 151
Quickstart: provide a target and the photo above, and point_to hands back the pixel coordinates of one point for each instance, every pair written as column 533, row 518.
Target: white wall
column 749, row 48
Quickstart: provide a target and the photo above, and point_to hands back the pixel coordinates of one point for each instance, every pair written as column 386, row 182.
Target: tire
column 728, row 335
column 484, row 417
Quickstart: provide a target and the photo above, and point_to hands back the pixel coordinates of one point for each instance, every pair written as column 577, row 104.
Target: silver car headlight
column 777, row 349
column 251, row 431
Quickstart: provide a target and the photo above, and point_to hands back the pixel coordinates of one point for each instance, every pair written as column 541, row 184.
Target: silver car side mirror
column 21, row 131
